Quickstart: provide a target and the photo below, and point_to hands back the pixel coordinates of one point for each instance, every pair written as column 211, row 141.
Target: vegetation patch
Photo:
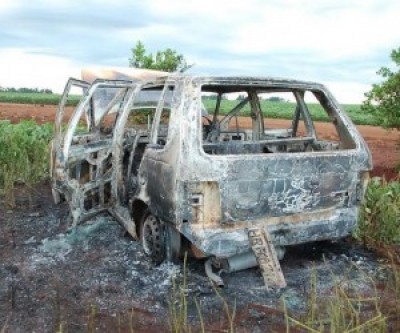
column 35, row 98
column 24, row 155
column 348, row 309
column 284, row 110
column 355, row 303
column 379, row 221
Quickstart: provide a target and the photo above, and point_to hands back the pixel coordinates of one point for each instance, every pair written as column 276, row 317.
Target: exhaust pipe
column 240, row 262
column 235, row 263
column 247, row 260
column 229, row 265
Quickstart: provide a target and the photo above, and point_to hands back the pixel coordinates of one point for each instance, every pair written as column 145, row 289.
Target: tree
column 165, row 60
column 384, row 98
column 276, row 99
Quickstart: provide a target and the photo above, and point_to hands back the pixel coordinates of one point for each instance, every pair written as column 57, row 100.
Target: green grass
column 24, row 155
column 35, row 98
column 360, row 304
column 346, row 309
column 284, row 110
column 379, row 221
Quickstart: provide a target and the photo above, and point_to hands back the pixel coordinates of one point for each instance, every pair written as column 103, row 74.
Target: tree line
column 26, row 90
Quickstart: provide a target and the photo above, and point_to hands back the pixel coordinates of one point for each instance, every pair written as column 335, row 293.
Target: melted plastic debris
column 62, row 245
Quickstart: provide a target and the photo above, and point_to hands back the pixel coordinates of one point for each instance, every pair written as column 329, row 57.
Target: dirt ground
column 384, row 144
column 96, row 278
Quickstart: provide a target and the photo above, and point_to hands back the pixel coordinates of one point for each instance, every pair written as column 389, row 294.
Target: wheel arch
column 138, row 209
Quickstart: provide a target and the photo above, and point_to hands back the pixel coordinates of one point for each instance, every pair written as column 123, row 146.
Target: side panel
column 159, row 178
column 159, row 169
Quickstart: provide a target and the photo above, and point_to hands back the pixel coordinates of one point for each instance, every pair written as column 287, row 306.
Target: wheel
column 160, row 241
column 153, row 238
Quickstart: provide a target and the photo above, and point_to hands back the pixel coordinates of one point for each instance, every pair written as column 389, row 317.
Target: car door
column 84, row 161
column 80, row 88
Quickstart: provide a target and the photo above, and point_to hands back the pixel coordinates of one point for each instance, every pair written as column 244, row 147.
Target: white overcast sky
column 340, row 43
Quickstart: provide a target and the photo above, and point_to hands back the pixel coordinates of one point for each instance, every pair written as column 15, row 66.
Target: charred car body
column 165, row 155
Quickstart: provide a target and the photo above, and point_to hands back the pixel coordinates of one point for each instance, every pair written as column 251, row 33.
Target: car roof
column 209, row 83
column 255, row 81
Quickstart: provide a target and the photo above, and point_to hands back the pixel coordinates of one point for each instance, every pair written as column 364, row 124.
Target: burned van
column 197, row 164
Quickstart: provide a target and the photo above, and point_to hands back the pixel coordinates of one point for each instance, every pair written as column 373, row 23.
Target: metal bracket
column 267, row 258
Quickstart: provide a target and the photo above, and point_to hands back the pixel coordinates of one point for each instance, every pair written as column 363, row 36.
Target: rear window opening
column 265, row 120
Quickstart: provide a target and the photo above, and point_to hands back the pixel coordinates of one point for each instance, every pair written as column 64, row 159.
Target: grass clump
column 379, row 221
column 344, row 310
column 24, row 155
column 180, row 301
column 178, row 305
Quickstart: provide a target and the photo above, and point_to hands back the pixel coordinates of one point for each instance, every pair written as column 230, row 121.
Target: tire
column 160, row 241
column 152, row 237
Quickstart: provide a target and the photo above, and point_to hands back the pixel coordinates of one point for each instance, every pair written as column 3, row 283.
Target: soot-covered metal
column 170, row 159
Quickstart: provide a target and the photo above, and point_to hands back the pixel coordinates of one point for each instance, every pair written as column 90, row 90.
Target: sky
column 339, row 43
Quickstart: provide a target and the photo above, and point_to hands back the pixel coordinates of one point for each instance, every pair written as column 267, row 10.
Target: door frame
column 77, row 191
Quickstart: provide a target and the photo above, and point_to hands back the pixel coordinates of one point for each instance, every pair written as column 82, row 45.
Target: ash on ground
column 97, row 278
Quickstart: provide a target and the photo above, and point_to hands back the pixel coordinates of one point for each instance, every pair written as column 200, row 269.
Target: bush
column 379, row 221
column 24, row 155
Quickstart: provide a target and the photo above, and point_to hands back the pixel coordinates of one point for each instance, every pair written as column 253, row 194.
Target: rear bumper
column 229, row 241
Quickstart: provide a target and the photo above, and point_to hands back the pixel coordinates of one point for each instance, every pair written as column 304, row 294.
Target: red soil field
column 384, row 144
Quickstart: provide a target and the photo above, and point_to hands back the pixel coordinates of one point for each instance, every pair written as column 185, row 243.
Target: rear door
column 289, row 167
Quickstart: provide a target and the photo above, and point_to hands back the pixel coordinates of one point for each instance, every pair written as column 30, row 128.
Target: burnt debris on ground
column 97, row 276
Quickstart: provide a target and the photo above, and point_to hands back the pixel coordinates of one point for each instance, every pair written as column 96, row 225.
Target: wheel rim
column 153, row 239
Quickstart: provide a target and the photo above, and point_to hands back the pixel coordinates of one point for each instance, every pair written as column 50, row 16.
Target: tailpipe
column 239, row 262
column 235, row 263
column 246, row 260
